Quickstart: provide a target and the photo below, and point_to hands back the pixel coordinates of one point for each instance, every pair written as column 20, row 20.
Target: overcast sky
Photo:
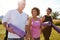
column 6, row 5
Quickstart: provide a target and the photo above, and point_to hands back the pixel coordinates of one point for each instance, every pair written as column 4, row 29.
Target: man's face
column 48, row 11
column 21, row 5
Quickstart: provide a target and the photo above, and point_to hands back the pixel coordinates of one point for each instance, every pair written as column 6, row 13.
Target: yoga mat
column 56, row 28
column 51, row 25
column 46, row 23
column 16, row 30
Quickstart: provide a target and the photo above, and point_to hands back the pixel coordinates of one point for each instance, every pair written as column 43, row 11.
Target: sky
column 6, row 5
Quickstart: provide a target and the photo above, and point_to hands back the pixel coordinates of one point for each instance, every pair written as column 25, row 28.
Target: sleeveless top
column 35, row 28
column 48, row 18
column 49, row 28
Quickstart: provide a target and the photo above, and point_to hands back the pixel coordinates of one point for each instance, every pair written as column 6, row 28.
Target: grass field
column 54, row 34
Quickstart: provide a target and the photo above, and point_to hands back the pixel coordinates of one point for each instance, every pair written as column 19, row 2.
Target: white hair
column 21, row 0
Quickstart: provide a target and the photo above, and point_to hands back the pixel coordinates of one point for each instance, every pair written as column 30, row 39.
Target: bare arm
column 42, row 21
column 27, row 28
column 29, row 25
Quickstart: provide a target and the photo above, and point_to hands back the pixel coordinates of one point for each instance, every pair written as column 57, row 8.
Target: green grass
column 54, row 34
column 2, row 32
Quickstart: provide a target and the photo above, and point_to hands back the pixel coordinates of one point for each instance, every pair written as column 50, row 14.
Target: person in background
column 16, row 17
column 47, row 31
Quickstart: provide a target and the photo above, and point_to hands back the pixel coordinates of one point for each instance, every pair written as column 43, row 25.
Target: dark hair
column 37, row 9
column 50, row 9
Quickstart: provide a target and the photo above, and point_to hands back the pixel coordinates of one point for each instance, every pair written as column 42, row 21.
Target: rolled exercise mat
column 17, row 31
column 56, row 28
column 46, row 23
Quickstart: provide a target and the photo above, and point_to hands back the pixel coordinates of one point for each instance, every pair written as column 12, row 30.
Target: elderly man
column 16, row 17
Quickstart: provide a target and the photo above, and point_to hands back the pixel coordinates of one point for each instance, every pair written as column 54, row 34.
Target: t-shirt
column 17, row 19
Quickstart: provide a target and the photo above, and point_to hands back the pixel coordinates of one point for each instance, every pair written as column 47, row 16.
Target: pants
column 6, row 35
column 37, row 38
column 16, row 38
column 47, row 33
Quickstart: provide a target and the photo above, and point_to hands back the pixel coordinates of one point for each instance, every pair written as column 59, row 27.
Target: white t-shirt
column 17, row 19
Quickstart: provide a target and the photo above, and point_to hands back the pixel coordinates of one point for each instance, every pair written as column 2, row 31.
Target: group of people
column 32, row 26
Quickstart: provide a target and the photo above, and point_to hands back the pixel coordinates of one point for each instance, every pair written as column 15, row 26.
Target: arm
column 27, row 28
column 5, row 21
column 29, row 32
column 42, row 21
column 5, row 25
column 27, row 22
column 29, row 25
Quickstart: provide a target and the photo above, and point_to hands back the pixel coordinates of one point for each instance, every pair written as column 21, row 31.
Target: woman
column 47, row 31
column 35, row 25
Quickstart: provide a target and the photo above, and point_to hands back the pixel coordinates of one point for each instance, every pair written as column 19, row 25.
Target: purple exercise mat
column 46, row 23
column 18, row 31
column 51, row 25
column 56, row 28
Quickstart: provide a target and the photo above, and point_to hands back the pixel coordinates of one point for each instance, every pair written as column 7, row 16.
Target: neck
column 20, row 11
column 35, row 17
column 48, row 14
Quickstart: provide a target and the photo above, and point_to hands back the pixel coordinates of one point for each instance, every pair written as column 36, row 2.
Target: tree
column 55, row 15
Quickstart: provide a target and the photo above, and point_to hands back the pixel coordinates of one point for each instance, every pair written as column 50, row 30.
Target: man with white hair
column 16, row 17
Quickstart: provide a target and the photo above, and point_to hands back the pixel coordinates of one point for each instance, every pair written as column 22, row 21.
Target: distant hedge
column 56, row 22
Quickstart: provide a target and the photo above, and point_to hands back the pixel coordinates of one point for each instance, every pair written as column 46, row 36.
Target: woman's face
column 48, row 12
column 34, row 13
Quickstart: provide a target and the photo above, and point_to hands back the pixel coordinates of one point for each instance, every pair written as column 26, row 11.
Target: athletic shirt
column 35, row 28
column 48, row 18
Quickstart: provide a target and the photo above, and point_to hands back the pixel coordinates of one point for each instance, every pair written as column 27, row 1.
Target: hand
column 10, row 30
column 28, row 34
column 27, row 37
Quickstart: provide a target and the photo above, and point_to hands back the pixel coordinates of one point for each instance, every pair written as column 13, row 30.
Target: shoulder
column 26, row 14
column 44, row 15
column 51, row 16
column 30, row 18
column 11, row 11
column 41, row 20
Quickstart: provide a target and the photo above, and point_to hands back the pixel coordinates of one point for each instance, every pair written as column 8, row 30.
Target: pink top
column 35, row 28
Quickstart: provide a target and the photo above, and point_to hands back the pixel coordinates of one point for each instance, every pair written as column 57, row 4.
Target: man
column 16, row 17
column 47, row 31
